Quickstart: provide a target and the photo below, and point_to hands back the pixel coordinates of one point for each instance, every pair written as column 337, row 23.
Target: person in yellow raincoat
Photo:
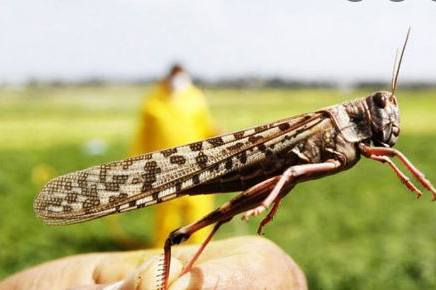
column 174, row 113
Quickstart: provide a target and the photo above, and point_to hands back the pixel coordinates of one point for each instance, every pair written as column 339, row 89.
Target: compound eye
column 379, row 100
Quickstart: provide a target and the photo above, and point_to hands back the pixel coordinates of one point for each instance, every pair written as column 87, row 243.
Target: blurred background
column 74, row 76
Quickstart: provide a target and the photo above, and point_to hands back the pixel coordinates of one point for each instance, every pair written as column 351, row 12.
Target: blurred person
column 236, row 263
column 174, row 113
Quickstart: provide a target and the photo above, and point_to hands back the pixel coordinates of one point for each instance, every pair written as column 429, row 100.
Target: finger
column 58, row 274
column 149, row 275
column 243, row 261
column 90, row 270
column 146, row 277
column 240, row 261
column 138, row 270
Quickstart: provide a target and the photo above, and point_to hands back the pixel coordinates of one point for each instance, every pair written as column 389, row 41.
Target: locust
column 264, row 162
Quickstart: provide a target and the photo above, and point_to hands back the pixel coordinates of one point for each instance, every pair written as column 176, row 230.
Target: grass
column 360, row 229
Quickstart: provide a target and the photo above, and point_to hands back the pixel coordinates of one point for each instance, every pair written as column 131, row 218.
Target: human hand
column 238, row 263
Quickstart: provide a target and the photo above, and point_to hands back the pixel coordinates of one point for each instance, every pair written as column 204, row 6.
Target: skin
column 238, row 263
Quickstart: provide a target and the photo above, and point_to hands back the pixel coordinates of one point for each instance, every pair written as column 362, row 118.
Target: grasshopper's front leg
column 382, row 154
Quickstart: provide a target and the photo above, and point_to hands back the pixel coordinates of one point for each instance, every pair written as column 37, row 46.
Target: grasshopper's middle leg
column 270, row 215
column 248, row 199
column 287, row 179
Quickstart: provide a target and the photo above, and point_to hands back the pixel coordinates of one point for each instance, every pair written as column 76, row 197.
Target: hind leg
column 248, row 199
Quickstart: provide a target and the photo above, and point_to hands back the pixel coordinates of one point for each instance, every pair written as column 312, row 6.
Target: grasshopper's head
column 385, row 118
column 383, row 109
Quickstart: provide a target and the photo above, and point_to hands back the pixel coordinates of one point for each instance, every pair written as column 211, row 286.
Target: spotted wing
column 159, row 176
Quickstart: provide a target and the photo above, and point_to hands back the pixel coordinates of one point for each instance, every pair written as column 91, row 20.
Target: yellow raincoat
column 170, row 119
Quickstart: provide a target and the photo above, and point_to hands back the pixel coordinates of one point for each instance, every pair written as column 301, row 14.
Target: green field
column 361, row 229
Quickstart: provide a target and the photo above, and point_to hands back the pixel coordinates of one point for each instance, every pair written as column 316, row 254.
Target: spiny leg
column 401, row 175
column 382, row 151
column 248, row 199
column 273, row 211
column 288, row 177
column 269, row 216
column 166, row 266
column 203, row 246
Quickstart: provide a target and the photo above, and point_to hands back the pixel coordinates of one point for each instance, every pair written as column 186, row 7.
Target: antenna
column 397, row 65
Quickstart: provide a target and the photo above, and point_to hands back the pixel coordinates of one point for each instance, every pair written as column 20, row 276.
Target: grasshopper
column 264, row 162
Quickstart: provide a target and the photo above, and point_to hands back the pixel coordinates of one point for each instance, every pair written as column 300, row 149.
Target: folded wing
column 155, row 177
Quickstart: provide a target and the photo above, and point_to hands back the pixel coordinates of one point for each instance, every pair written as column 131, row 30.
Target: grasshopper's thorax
column 385, row 118
column 374, row 118
column 352, row 119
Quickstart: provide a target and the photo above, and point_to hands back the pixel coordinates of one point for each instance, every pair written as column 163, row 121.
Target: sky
column 336, row 40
